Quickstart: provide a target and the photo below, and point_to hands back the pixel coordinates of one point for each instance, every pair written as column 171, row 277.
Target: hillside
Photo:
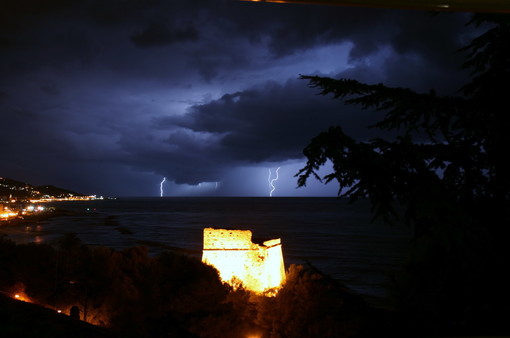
column 21, row 190
column 20, row 319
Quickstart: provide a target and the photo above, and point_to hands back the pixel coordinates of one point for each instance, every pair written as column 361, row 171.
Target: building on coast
column 259, row 267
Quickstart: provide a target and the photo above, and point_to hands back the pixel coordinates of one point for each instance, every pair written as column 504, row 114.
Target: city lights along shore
column 18, row 199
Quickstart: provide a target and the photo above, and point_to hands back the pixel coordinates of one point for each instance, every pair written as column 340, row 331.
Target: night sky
column 110, row 97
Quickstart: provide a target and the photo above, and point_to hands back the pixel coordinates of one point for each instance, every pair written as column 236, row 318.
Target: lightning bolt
column 271, row 181
column 161, row 187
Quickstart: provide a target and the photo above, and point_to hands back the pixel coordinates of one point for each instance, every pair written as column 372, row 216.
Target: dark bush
column 137, row 295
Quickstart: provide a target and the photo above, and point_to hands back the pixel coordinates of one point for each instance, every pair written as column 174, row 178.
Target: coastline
column 30, row 224
column 29, row 230
column 336, row 238
column 322, row 299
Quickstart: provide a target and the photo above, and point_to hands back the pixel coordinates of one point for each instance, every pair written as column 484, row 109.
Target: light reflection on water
column 335, row 237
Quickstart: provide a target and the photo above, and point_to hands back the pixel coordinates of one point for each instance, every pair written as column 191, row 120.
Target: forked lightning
column 271, row 181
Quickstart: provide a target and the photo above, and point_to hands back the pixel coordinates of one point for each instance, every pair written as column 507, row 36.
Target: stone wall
column 258, row 267
column 222, row 239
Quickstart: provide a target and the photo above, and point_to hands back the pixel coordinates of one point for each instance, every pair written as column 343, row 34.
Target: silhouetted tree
column 446, row 173
column 75, row 312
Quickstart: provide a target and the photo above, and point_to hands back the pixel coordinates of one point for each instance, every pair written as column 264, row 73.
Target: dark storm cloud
column 269, row 123
column 282, row 29
column 94, row 92
column 158, row 34
column 182, row 156
column 50, row 89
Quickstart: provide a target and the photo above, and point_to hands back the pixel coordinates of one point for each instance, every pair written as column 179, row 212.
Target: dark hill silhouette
column 52, row 190
column 20, row 319
column 18, row 189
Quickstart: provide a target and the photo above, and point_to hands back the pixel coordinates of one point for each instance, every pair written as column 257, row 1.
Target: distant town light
column 7, row 213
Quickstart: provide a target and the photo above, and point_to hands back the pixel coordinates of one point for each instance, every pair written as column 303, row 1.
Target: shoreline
column 108, row 223
column 30, row 224
column 27, row 230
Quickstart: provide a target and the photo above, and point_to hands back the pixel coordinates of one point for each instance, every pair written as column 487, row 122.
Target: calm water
column 336, row 237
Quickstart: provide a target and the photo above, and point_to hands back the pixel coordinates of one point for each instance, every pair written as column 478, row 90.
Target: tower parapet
column 237, row 258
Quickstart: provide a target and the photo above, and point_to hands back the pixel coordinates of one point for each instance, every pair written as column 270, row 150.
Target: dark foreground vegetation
column 136, row 295
column 445, row 173
column 21, row 319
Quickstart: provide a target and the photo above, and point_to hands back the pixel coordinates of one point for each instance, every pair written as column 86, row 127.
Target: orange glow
column 22, row 297
column 259, row 268
column 7, row 213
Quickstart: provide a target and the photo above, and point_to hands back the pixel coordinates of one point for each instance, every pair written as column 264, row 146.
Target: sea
column 329, row 234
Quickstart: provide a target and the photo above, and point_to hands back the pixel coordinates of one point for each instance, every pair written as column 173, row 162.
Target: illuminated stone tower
column 232, row 253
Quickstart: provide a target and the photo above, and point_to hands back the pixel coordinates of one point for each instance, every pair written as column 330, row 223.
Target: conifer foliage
column 445, row 174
